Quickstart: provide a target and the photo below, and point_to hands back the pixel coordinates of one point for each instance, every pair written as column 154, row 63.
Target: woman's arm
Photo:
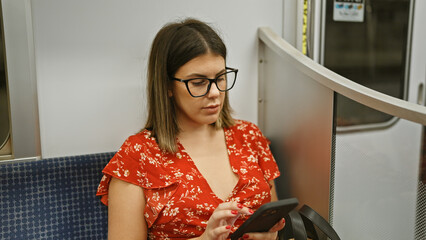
column 126, row 205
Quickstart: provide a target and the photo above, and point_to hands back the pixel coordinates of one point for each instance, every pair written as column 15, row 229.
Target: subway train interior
column 337, row 86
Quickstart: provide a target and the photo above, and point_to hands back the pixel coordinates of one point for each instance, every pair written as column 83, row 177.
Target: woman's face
column 201, row 110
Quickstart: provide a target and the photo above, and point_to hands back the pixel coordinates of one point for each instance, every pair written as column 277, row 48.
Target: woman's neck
column 199, row 133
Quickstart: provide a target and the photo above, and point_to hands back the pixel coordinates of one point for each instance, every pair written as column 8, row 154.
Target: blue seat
column 53, row 198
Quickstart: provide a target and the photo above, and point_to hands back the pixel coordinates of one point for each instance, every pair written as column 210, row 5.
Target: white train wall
column 79, row 66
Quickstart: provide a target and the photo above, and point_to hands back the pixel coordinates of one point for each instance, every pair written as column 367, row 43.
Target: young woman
column 193, row 172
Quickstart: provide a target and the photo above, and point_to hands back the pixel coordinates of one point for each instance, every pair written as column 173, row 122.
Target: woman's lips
column 212, row 108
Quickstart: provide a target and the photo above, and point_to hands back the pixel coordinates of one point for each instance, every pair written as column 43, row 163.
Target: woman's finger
column 272, row 234
column 263, row 236
column 220, row 232
column 221, row 221
column 278, row 226
column 235, row 206
column 220, row 215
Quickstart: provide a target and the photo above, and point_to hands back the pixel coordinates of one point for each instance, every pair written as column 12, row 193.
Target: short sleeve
column 266, row 160
column 138, row 162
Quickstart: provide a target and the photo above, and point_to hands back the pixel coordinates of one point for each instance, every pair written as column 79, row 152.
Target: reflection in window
column 371, row 53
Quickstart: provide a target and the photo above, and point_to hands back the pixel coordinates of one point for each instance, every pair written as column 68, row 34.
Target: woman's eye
column 221, row 78
column 199, row 82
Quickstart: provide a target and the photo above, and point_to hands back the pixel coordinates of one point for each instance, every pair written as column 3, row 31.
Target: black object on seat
column 300, row 225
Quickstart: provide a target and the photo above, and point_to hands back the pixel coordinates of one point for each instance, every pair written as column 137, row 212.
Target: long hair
column 174, row 45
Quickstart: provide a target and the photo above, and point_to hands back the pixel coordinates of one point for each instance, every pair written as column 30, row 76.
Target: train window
column 372, row 53
column 5, row 148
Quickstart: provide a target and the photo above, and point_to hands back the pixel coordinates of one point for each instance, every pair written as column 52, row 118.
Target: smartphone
column 266, row 217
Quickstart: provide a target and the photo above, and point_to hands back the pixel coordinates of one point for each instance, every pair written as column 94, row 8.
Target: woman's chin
column 211, row 119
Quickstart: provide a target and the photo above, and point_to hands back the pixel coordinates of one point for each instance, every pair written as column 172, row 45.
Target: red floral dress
column 179, row 200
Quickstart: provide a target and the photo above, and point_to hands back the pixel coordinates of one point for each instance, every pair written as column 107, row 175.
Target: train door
column 378, row 44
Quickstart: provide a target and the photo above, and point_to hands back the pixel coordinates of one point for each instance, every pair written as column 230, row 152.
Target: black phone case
column 266, row 217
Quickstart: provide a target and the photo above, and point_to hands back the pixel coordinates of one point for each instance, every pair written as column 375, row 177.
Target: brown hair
column 174, row 45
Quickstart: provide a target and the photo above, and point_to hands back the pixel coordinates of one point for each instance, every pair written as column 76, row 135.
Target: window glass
column 372, row 53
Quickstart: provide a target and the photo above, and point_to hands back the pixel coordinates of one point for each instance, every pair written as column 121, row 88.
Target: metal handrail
column 366, row 96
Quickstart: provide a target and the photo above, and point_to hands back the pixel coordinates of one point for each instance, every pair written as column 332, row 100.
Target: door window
column 372, row 52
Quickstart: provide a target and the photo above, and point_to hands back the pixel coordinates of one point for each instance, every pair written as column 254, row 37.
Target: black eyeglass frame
column 211, row 80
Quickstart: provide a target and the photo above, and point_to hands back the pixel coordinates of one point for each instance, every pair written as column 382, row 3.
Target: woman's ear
column 169, row 93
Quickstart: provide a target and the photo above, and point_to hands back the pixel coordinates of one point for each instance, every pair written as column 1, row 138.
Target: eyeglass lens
column 199, row 86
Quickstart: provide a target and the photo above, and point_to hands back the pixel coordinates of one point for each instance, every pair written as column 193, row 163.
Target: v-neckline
column 182, row 149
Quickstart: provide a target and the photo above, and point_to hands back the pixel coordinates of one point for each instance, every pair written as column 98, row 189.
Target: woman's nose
column 213, row 91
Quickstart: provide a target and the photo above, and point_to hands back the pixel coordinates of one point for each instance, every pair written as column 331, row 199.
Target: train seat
column 53, row 198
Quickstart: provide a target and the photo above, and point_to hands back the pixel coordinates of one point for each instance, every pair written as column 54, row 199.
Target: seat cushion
column 53, row 198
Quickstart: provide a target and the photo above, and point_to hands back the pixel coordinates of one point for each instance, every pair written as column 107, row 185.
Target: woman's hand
column 271, row 235
column 221, row 221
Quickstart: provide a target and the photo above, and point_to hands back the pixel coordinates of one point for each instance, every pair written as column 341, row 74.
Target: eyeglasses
column 199, row 87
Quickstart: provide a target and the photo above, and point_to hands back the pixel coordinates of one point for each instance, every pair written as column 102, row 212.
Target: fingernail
column 234, row 212
column 240, row 205
column 283, row 220
column 228, row 227
column 245, row 236
column 251, row 211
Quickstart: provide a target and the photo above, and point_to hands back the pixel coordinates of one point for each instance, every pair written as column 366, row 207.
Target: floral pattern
column 179, row 200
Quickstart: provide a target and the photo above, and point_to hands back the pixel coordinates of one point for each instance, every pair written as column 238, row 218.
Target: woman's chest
column 183, row 208
column 192, row 198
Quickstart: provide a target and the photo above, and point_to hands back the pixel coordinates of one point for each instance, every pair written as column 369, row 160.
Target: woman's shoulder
column 141, row 142
column 141, row 157
column 144, row 138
